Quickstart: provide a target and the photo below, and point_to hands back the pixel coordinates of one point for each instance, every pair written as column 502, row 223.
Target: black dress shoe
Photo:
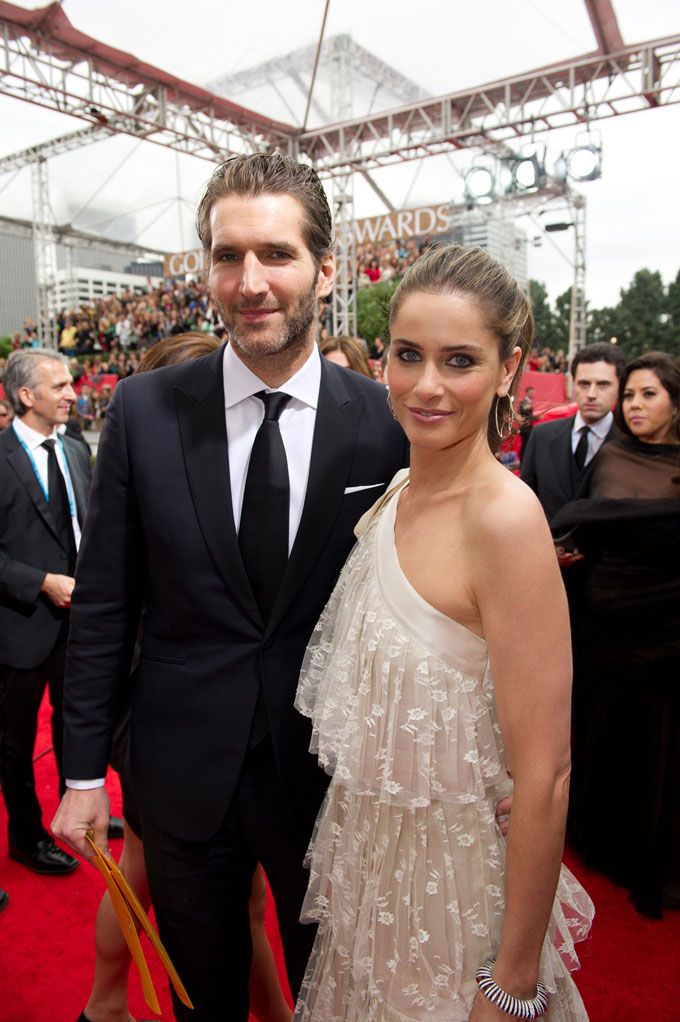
column 115, row 827
column 45, row 857
column 4, row 898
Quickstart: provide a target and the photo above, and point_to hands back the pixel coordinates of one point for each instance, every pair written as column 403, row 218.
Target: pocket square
column 368, row 486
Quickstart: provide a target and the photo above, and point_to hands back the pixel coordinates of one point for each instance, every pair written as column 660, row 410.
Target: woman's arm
column 525, row 620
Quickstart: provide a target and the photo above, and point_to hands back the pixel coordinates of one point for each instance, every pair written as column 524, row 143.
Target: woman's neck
column 451, row 469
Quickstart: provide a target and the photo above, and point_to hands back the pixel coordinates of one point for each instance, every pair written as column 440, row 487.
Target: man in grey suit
column 560, row 454
column 44, row 484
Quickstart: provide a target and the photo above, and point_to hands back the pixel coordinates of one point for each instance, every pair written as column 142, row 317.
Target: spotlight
column 523, row 173
column 480, row 185
column 583, row 163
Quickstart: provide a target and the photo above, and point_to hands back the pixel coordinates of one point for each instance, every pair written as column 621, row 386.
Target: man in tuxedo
column 225, row 497
column 44, row 483
column 559, row 454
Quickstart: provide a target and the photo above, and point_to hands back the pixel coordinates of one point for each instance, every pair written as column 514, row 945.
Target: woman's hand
column 484, row 1011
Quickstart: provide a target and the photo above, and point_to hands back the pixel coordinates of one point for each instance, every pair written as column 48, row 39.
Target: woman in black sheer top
column 625, row 605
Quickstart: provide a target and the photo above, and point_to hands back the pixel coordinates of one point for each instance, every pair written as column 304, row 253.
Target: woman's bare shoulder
column 505, row 509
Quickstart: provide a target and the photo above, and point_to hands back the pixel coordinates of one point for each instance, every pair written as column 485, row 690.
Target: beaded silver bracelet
column 516, row 1007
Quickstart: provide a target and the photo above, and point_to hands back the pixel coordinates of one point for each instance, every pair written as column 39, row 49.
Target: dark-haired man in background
column 559, row 454
column 225, row 498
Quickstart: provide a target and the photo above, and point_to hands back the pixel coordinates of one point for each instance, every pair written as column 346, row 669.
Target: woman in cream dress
column 440, row 667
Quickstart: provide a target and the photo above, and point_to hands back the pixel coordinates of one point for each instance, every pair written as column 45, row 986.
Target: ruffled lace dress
column 406, row 861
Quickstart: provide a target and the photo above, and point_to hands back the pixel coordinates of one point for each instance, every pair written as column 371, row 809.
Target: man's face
column 49, row 400
column 596, row 387
column 262, row 275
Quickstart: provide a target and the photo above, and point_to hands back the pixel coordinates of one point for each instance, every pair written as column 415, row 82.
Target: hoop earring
column 389, row 403
column 508, row 419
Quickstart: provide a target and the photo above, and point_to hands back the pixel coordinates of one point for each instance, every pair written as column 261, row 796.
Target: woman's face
column 648, row 409
column 444, row 369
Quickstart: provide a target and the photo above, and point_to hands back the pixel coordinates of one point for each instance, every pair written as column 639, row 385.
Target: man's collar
column 240, row 382
column 600, row 428
column 31, row 437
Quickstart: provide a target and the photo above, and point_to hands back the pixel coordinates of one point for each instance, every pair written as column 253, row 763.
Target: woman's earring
column 499, row 426
column 389, row 403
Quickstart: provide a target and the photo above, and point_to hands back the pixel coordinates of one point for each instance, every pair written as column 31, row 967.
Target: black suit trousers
column 201, row 890
column 21, row 693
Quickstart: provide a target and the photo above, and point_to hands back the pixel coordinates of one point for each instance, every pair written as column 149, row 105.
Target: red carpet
column 630, row 973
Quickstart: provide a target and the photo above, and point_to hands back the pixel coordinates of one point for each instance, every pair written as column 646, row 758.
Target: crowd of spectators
column 547, row 361
column 130, row 321
column 386, row 262
column 109, row 335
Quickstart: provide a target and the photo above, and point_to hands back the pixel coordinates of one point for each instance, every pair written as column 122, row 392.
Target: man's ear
column 326, row 276
column 25, row 395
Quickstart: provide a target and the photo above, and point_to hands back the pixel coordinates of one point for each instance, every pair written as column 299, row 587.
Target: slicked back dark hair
column 271, row 174
column 600, row 352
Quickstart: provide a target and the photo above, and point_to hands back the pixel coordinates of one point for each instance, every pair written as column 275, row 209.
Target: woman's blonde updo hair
column 505, row 308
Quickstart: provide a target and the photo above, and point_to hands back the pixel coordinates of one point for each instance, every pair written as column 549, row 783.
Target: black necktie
column 58, row 500
column 581, row 452
column 263, row 533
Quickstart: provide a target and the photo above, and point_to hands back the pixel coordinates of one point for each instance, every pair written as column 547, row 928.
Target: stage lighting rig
column 581, row 163
column 480, row 184
column 524, row 172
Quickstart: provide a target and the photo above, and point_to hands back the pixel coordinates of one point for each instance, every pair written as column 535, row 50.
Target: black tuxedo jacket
column 548, row 464
column 160, row 534
column 30, row 547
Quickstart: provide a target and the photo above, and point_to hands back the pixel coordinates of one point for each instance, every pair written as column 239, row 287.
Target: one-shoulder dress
column 407, row 861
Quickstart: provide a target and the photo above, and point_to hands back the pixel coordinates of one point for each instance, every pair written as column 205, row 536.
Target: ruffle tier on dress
column 407, row 862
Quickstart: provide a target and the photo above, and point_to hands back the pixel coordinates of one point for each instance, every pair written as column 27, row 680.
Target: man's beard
column 292, row 337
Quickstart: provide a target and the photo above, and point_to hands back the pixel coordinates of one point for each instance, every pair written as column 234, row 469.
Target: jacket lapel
column 22, row 466
column 77, row 478
column 203, row 434
column 335, row 432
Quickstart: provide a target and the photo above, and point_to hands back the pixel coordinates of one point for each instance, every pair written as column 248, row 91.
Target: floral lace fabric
column 406, row 862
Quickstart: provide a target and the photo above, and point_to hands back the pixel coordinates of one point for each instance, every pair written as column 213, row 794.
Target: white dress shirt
column 596, row 436
column 34, row 442
column 245, row 413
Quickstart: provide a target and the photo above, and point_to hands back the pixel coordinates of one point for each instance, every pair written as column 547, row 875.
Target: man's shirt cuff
column 98, row 782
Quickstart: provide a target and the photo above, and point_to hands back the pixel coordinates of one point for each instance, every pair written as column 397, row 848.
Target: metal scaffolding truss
column 45, row 60
column 44, row 248
column 290, row 76
column 56, row 146
column 573, row 93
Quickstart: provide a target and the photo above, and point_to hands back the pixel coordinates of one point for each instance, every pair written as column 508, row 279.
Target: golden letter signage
column 405, row 224
column 180, row 263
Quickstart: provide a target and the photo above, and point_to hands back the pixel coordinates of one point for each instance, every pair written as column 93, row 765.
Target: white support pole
column 45, row 254
column 577, row 315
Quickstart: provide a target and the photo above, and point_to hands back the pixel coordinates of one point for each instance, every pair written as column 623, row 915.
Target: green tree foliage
column 547, row 333
column 643, row 316
column 646, row 318
column 563, row 317
column 373, row 310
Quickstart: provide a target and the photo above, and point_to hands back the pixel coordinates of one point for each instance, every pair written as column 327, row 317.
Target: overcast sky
column 633, row 215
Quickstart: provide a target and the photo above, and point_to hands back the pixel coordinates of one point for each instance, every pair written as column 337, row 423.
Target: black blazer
column 160, row 531
column 30, row 547
column 548, row 464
